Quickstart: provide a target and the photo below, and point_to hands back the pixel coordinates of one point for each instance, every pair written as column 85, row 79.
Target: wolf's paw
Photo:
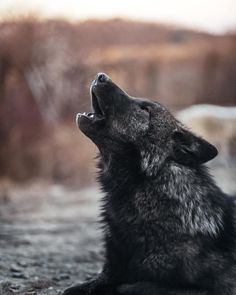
column 139, row 288
column 126, row 289
column 77, row 290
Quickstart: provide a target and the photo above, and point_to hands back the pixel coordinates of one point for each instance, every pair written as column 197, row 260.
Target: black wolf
column 168, row 229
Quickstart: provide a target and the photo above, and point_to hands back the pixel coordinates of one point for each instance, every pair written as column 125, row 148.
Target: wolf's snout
column 101, row 78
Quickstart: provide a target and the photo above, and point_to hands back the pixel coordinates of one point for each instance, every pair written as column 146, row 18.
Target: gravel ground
column 50, row 238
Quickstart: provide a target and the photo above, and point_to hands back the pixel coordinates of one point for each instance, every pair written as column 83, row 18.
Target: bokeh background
column 181, row 53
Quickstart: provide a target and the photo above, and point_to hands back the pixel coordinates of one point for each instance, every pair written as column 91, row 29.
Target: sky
column 216, row 16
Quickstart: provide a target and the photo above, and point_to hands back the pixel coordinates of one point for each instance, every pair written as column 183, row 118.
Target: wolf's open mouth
column 97, row 113
column 95, row 104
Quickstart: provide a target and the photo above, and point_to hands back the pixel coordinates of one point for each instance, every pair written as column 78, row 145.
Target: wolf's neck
column 194, row 199
column 118, row 172
column 200, row 203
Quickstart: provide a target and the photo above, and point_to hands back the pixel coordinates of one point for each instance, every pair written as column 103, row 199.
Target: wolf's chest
column 142, row 230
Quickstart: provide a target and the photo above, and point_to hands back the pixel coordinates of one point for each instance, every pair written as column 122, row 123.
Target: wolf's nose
column 101, row 78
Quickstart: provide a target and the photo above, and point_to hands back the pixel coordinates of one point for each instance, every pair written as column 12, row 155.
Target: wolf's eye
column 144, row 108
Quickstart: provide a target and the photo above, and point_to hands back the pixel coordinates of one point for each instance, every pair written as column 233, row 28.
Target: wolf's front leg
column 149, row 288
column 98, row 285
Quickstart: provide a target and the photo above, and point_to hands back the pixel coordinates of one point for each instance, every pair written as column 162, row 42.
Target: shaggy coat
column 168, row 228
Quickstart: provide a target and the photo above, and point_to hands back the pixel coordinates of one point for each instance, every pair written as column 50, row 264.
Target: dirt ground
column 50, row 237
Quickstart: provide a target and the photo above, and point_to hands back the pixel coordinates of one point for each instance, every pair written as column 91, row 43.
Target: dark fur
column 168, row 229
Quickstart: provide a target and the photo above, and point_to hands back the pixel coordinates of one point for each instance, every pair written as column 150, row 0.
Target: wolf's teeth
column 92, row 116
column 84, row 113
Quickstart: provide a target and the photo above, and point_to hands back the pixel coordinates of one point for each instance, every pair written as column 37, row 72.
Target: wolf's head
column 120, row 122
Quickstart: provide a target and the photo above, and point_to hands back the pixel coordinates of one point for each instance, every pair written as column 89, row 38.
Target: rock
column 19, row 275
column 61, row 277
column 15, row 268
column 214, row 123
column 22, row 263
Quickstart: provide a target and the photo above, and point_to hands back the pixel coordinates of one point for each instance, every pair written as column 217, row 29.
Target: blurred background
column 181, row 53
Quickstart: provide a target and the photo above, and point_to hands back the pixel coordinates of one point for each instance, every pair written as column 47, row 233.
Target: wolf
column 168, row 228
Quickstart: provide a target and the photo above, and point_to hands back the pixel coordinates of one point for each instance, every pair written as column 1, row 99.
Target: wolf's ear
column 190, row 149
